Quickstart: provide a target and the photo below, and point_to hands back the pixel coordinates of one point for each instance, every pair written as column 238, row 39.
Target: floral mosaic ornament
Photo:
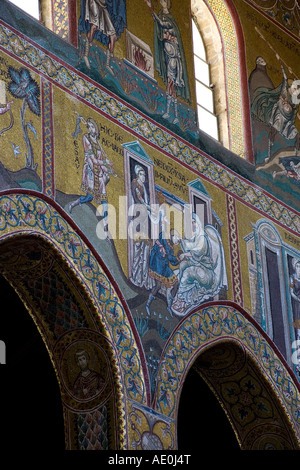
column 150, row 430
column 21, row 214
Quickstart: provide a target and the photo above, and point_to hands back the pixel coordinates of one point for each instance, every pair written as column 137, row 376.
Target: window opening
column 207, row 120
column 32, row 7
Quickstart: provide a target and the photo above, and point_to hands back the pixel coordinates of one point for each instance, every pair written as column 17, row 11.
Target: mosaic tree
column 24, row 87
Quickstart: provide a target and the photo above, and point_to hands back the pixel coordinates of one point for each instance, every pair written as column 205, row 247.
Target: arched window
column 207, row 120
column 211, row 92
column 217, row 24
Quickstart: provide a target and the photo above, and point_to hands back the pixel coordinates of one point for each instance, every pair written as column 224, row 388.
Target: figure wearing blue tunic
column 161, row 259
column 162, row 255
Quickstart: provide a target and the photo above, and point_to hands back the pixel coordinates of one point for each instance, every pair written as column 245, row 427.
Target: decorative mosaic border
column 234, row 251
column 47, row 128
column 24, row 213
column 202, row 328
column 231, row 57
column 141, row 126
column 61, row 18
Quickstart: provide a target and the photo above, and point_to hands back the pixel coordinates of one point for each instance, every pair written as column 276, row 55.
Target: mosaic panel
column 142, row 176
column 61, row 18
column 248, row 401
column 147, row 130
column 286, row 12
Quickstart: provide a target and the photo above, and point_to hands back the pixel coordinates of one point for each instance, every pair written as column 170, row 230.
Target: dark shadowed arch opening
column 238, row 407
column 202, row 423
column 28, row 381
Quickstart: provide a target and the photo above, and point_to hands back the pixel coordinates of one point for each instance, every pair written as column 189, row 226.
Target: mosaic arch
column 243, row 368
column 76, row 308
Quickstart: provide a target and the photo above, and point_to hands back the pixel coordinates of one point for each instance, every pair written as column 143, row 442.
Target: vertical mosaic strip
column 234, row 251
column 61, row 18
column 47, row 124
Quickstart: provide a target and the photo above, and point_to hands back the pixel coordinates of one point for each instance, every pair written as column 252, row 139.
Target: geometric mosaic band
column 234, row 251
column 61, row 18
column 48, row 160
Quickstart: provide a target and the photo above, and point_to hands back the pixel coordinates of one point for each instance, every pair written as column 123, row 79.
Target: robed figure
column 202, row 270
column 169, row 56
column 103, row 20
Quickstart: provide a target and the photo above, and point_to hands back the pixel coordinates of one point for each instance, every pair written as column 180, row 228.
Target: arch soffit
column 237, row 101
column 26, row 214
column 215, row 323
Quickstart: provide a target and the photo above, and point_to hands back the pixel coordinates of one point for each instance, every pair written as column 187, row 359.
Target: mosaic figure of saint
column 96, row 172
column 169, row 56
column 290, row 168
column 202, row 272
column 161, row 261
column 141, row 243
column 88, row 382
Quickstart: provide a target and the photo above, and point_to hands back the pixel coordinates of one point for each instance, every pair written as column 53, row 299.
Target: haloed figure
column 97, row 16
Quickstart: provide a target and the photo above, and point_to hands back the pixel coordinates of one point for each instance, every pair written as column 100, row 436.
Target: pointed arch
column 224, row 329
column 226, row 48
column 69, row 294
